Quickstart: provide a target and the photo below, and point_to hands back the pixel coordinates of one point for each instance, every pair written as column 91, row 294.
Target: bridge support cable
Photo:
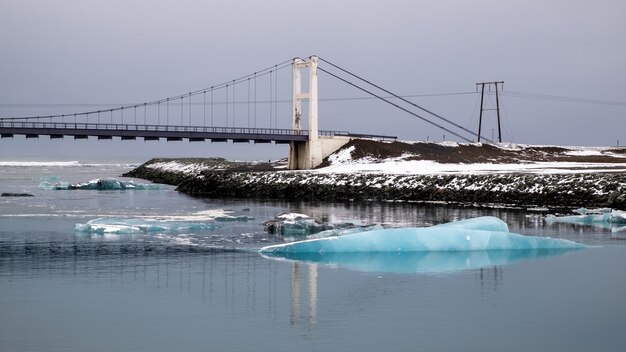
column 403, row 99
column 248, row 102
column 394, row 104
column 226, row 106
column 157, row 103
column 255, row 100
column 270, row 99
column 189, row 109
column 234, row 98
column 276, row 100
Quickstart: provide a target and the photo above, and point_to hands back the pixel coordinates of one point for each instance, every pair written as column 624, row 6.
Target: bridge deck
column 170, row 132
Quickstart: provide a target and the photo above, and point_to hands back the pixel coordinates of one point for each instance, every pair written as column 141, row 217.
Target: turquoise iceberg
column 462, row 245
column 478, row 234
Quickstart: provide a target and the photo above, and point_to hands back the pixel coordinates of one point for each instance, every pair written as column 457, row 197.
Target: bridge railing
column 60, row 126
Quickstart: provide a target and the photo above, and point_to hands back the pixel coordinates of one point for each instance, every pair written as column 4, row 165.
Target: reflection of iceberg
column 479, row 234
column 100, row 185
column 421, row 262
column 605, row 218
column 137, row 226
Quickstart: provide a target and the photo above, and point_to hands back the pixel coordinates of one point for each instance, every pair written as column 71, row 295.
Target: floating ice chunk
column 584, row 211
column 47, row 186
column 101, row 184
column 294, row 224
column 138, row 226
column 447, row 237
column 618, row 217
column 299, row 225
column 292, row 216
column 602, row 216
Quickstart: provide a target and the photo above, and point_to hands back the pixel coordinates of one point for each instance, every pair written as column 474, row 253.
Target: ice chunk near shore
column 100, row 185
column 603, row 216
column 615, row 220
column 584, row 211
column 480, row 234
column 139, row 226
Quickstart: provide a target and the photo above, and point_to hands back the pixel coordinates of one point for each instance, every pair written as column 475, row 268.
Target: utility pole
column 482, row 96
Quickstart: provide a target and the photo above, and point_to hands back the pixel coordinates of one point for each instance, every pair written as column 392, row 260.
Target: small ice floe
column 294, row 224
column 101, row 184
column 538, row 209
column 590, row 217
column 615, row 220
column 233, row 218
column 298, row 225
column 140, row 226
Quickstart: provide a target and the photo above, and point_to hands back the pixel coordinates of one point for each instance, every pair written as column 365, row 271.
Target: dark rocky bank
column 222, row 179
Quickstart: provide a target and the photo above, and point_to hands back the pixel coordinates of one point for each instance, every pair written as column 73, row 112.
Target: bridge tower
column 305, row 155
column 309, row 154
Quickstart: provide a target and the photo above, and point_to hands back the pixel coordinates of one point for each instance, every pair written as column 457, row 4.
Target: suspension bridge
column 215, row 114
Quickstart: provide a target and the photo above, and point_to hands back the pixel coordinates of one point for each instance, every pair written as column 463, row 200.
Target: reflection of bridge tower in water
column 296, row 295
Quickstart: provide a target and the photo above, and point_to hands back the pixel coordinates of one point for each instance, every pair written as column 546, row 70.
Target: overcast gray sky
column 114, row 51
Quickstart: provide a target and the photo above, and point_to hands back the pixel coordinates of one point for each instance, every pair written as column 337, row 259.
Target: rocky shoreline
column 216, row 178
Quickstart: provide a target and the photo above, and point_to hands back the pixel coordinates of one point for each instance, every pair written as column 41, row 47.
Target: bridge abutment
column 310, row 154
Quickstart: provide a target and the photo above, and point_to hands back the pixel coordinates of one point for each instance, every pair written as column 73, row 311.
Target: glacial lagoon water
column 196, row 282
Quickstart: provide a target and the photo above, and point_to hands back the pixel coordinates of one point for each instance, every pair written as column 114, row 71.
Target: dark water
column 209, row 290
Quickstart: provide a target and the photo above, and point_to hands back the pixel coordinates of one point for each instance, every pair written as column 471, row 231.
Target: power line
column 281, row 101
column 564, row 99
column 522, row 95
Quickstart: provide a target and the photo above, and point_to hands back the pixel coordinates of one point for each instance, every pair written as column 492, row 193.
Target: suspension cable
column 394, row 104
column 401, row 98
column 260, row 73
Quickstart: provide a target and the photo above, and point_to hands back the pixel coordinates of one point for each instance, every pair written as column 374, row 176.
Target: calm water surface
column 62, row 290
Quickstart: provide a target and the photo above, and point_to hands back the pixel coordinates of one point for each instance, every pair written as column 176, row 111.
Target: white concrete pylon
column 313, row 133
column 311, row 95
column 296, row 122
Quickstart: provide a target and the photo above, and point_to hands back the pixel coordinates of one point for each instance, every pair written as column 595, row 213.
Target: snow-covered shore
column 421, row 172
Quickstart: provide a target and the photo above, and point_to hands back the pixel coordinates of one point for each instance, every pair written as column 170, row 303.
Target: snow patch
column 584, row 152
column 342, row 156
